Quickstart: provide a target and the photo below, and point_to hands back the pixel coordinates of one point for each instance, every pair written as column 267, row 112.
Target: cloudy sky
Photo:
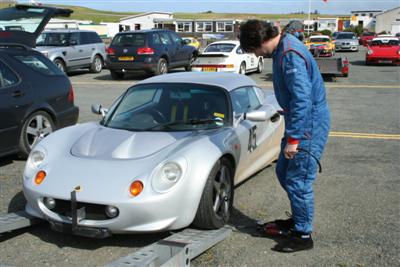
column 232, row 6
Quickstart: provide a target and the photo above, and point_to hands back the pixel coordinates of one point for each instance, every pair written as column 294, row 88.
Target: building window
column 331, row 25
column 224, row 26
column 158, row 26
column 204, row 27
column 356, row 15
column 184, row 26
column 363, row 15
column 371, row 15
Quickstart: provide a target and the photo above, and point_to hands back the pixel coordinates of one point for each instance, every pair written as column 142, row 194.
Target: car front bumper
column 346, row 47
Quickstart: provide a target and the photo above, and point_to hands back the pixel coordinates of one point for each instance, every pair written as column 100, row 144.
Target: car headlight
column 370, row 52
column 168, row 174
column 35, row 159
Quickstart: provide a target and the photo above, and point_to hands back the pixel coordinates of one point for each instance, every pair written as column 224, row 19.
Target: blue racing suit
column 300, row 91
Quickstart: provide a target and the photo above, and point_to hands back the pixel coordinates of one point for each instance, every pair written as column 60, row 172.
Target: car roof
column 146, row 31
column 66, row 30
column 228, row 81
column 226, row 42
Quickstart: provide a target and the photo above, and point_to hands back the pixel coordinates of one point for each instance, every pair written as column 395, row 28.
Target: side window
column 85, row 38
column 239, row 51
column 40, row 65
column 95, row 38
column 176, row 38
column 244, row 100
column 7, row 76
column 165, row 39
column 156, row 39
column 74, row 38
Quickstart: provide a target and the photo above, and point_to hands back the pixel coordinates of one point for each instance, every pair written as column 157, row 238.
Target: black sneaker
column 296, row 241
column 278, row 228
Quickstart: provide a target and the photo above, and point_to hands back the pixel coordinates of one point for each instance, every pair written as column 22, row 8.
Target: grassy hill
column 84, row 13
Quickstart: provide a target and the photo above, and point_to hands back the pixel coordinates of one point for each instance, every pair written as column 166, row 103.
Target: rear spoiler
column 212, row 55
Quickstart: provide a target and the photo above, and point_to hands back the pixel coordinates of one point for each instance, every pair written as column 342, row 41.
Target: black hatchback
column 36, row 98
column 153, row 51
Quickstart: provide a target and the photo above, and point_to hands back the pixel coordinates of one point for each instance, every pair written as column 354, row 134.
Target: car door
column 14, row 97
column 86, row 48
column 73, row 53
column 246, row 57
column 181, row 50
column 168, row 46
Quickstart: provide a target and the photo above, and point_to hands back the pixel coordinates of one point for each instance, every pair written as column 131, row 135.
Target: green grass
column 97, row 16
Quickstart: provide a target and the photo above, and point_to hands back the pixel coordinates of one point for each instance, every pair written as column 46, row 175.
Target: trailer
column 333, row 67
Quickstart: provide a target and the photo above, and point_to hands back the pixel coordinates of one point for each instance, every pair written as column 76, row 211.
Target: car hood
column 19, row 16
column 107, row 143
column 346, row 40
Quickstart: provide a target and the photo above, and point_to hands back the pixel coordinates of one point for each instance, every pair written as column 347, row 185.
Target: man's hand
column 290, row 150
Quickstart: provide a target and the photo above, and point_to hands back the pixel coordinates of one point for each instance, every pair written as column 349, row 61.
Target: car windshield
column 170, row 107
column 222, row 48
column 346, row 36
column 53, row 39
column 319, row 39
column 132, row 39
column 385, row 42
column 13, row 19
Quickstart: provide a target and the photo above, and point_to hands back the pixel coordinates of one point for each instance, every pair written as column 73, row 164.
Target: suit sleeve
column 297, row 81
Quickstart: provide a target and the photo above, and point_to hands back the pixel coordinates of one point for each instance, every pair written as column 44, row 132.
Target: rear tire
column 242, row 68
column 191, row 60
column 60, row 64
column 97, row 64
column 37, row 126
column 260, row 66
column 217, row 199
column 116, row 75
column 162, row 67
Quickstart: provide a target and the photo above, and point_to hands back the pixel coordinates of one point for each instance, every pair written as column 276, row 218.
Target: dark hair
column 255, row 32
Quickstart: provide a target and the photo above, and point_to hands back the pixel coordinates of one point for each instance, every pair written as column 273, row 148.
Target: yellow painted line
column 365, row 135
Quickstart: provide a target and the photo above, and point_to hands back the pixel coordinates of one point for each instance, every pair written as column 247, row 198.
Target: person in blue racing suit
column 300, row 91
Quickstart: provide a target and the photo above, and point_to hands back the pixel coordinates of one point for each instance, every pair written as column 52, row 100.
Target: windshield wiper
column 185, row 122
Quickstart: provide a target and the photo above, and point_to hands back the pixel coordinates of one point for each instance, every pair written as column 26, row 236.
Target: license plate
column 126, row 58
column 209, row 69
column 384, row 61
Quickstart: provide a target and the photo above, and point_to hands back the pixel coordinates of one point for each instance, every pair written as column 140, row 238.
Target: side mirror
column 185, row 42
column 99, row 110
column 73, row 42
column 257, row 115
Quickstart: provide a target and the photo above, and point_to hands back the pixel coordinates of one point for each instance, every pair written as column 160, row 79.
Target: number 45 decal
column 252, row 139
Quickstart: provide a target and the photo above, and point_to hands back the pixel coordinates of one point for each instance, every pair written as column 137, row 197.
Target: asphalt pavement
column 357, row 196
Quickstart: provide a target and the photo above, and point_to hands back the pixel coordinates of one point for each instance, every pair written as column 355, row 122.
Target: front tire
column 97, row 64
column 191, row 60
column 217, row 199
column 242, row 68
column 36, row 127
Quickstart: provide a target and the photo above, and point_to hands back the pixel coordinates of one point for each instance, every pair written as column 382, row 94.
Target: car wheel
column 260, row 66
column 97, row 64
column 162, row 67
column 37, row 126
column 242, row 68
column 116, row 75
column 191, row 60
column 60, row 64
column 217, row 199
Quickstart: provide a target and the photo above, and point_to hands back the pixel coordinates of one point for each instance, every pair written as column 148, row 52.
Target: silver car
column 167, row 154
column 73, row 49
column 346, row 41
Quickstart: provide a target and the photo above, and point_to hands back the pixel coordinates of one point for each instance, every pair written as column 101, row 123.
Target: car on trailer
column 165, row 155
column 227, row 56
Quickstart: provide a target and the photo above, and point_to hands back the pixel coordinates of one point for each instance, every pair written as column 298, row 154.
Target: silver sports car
column 167, row 154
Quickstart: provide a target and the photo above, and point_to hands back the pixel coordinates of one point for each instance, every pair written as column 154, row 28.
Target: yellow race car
column 321, row 45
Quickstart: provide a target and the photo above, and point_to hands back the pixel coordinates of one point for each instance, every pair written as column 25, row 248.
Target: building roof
column 387, row 11
column 145, row 14
column 228, row 81
column 366, row 11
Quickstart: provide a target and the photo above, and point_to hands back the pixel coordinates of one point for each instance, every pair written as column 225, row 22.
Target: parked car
column 321, row 46
column 346, row 41
column 227, row 56
column 36, row 98
column 383, row 50
column 73, row 49
column 366, row 38
column 153, row 51
column 167, row 154
column 192, row 41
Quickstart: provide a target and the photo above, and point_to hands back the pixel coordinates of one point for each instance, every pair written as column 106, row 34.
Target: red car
column 366, row 38
column 383, row 50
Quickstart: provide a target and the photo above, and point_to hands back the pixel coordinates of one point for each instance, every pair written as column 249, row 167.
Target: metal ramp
column 176, row 250
column 17, row 220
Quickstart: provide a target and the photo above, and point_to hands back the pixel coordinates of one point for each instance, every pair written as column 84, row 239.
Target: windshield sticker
column 219, row 115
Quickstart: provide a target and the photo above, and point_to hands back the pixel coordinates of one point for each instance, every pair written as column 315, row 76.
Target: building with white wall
column 144, row 21
column 388, row 21
column 364, row 18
